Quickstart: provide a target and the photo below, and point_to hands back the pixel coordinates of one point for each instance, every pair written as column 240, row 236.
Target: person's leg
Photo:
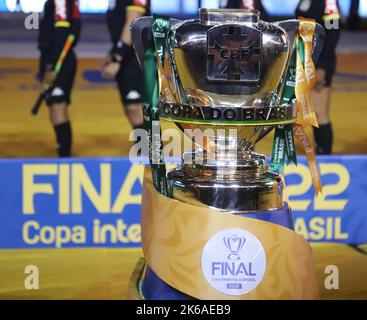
column 58, row 101
column 129, row 81
column 134, row 112
column 354, row 19
column 323, row 134
column 59, row 118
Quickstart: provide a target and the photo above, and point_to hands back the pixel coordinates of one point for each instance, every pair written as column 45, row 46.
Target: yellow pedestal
column 181, row 242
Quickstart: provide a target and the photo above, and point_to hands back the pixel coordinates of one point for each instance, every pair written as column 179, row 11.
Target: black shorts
column 330, row 71
column 328, row 57
column 61, row 91
column 130, row 81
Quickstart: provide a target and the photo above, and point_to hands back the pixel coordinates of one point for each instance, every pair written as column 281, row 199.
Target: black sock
column 324, row 138
column 63, row 139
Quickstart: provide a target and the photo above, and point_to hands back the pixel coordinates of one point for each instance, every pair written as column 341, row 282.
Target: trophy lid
column 215, row 16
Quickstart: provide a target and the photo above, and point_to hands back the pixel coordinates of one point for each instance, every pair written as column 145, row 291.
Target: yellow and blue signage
column 76, row 203
column 338, row 214
column 95, row 202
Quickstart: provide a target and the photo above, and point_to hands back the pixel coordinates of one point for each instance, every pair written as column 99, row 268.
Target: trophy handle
column 141, row 35
column 292, row 26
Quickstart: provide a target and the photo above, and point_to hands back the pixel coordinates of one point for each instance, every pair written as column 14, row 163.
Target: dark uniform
column 129, row 77
column 354, row 19
column 323, row 11
column 327, row 13
column 60, row 19
column 246, row 4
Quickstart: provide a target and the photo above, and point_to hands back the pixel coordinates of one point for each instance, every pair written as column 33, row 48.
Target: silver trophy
column 226, row 69
column 225, row 72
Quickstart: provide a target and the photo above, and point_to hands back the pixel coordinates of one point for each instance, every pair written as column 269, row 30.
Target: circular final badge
column 233, row 262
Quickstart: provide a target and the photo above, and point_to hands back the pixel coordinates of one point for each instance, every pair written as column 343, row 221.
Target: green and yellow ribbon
column 298, row 85
column 154, row 57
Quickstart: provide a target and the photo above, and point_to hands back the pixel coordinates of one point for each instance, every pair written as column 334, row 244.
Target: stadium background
column 101, row 130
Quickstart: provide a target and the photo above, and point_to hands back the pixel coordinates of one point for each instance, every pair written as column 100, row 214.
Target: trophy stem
column 227, row 177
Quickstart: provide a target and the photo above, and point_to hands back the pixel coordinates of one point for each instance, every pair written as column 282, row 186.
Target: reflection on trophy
column 221, row 75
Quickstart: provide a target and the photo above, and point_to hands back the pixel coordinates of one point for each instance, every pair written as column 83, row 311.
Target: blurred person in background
column 354, row 19
column 18, row 6
column 246, row 4
column 60, row 19
column 327, row 13
column 121, row 63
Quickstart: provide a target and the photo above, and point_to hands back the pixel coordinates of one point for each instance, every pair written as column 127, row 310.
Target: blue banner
column 51, row 203
column 338, row 214
column 70, row 203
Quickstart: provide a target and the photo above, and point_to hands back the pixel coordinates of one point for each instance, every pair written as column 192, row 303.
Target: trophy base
column 241, row 183
column 176, row 238
column 238, row 197
column 134, row 290
column 146, row 285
